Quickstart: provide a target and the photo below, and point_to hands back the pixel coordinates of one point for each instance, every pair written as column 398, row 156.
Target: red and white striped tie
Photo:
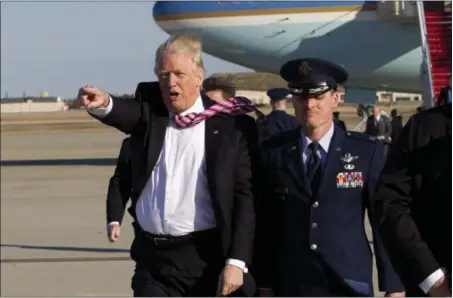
column 233, row 106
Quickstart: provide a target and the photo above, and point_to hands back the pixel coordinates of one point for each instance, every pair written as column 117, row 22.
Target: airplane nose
column 166, row 13
column 162, row 9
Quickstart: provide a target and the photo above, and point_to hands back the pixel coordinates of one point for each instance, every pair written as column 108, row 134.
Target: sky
column 57, row 47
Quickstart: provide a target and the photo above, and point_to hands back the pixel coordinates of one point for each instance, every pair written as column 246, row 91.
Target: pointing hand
column 93, row 97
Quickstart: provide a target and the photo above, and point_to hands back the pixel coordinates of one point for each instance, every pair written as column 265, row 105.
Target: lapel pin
column 215, row 132
column 338, row 149
column 293, row 148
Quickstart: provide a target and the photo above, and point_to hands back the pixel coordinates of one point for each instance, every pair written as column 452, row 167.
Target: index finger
column 89, row 90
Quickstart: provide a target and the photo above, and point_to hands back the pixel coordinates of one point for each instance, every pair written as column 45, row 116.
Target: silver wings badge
column 348, row 158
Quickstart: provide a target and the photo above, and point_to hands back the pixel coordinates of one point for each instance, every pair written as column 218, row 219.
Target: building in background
column 33, row 104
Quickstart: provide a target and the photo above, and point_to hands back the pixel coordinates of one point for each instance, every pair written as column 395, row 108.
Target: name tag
column 349, row 180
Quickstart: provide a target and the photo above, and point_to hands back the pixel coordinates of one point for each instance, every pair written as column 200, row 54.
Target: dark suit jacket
column 414, row 197
column 276, row 123
column 397, row 127
column 231, row 152
column 383, row 129
column 120, row 186
column 443, row 96
column 341, row 124
column 291, row 218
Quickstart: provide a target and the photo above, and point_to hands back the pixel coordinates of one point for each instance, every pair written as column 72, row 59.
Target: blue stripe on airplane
column 162, row 8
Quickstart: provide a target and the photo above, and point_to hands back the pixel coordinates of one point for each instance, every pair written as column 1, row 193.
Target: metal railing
column 428, row 90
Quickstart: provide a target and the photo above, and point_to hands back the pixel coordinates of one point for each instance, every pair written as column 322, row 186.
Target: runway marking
column 63, row 260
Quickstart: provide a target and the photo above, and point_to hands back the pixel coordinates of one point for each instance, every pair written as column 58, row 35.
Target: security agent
column 218, row 89
column 338, row 121
column 414, row 198
column 317, row 182
column 278, row 121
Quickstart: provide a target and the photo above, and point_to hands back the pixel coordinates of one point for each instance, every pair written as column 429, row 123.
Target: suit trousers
column 189, row 269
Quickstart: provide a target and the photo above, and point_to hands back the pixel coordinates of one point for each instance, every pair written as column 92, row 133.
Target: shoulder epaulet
column 360, row 136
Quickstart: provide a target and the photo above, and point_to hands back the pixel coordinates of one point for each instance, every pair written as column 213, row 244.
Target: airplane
column 379, row 53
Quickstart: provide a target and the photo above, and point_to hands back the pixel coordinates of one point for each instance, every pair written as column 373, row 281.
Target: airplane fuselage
column 379, row 54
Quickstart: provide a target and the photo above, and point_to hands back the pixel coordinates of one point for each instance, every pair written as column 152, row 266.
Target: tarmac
column 53, row 225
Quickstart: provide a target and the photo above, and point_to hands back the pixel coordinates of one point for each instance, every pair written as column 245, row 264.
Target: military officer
column 317, row 183
column 278, row 120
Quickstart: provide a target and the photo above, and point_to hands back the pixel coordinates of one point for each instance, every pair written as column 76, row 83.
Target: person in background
column 218, row 89
column 413, row 200
column 379, row 126
column 445, row 95
column 278, row 121
column 397, row 124
column 119, row 192
column 317, row 182
column 338, row 121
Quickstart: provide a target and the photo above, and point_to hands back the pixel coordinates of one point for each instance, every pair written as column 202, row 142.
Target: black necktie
column 314, row 166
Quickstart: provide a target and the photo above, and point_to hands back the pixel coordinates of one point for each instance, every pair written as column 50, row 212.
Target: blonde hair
column 181, row 44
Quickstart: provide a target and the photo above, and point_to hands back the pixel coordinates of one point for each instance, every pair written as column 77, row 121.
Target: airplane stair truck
column 438, row 35
column 435, row 28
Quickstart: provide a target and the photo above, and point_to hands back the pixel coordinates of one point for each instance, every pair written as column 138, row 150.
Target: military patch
column 349, row 179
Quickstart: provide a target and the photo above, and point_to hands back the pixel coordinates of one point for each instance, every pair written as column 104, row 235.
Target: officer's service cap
column 277, row 94
column 312, row 76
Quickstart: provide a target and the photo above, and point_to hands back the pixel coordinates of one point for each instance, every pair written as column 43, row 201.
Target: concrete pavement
column 53, row 206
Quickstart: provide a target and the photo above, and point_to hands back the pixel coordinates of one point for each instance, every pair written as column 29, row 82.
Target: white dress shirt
column 176, row 200
column 429, row 282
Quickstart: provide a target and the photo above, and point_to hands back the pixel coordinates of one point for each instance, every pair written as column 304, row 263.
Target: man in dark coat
column 397, row 125
column 317, row 183
column 379, row 126
column 338, row 121
column 219, row 89
column 191, row 166
column 413, row 199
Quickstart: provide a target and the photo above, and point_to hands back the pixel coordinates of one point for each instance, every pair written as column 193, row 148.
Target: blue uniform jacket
column 276, row 123
column 315, row 245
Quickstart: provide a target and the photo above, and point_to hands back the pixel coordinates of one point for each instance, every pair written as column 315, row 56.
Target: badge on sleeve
column 349, row 180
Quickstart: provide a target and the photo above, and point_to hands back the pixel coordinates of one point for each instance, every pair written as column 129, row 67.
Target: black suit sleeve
column 388, row 279
column 120, row 186
column 408, row 252
column 243, row 225
column 125, row 114
column 263, row 266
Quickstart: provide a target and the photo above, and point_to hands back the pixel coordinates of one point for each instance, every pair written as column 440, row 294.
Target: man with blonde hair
column 191, row 168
